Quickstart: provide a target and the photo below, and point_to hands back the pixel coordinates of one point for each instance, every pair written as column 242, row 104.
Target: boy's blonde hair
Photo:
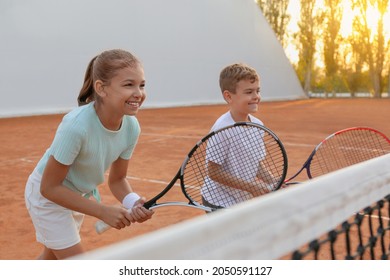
column 232, row 74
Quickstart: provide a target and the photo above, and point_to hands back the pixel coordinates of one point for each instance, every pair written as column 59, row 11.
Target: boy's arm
column 264, row 175
column 217, row 174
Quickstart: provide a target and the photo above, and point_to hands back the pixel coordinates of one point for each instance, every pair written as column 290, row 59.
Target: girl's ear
column 227, row 95
column 99, row 88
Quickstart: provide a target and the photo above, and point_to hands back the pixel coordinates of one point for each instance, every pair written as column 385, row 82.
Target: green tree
column 354, row 57
column 333, row 15
column 388, row 77
column 306, row 40
column 373, row 41
column 352, row 63
column 276, row 14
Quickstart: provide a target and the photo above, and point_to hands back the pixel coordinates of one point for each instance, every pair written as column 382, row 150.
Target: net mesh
column 366, row 235
column 343, row 214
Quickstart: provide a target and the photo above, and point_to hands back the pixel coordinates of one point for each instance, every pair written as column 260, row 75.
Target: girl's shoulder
column 79, row 113
column 131, row 123
column 79, row 119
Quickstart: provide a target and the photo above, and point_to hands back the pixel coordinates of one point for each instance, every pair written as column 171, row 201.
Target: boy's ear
column 99, row 88
column 227, row 95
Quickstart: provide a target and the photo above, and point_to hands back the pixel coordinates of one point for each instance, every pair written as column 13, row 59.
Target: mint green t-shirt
column 83, row 143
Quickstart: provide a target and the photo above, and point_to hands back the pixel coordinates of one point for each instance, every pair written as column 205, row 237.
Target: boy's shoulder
column 255, row 120
column 226, row 119
column 223, row 121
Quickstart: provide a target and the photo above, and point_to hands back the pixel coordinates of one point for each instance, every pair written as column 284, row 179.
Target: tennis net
column 341, row 215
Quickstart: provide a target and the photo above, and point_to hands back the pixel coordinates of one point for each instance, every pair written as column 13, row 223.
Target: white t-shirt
column 230, row 158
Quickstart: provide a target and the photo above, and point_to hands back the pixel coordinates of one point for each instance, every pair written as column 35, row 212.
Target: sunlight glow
column 346, row 24
column 373, row 16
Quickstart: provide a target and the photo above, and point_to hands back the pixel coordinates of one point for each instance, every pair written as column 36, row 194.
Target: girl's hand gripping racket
column 344, row 148
column 226, row 167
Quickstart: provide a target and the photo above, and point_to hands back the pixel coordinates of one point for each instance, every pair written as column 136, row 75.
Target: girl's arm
column 120, row 187
column 53, row 189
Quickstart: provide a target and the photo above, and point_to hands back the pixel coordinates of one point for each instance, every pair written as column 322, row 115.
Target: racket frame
column 307, row 163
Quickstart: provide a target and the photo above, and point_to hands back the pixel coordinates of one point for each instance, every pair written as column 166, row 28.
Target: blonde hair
column 104, row 67
column 232, row 74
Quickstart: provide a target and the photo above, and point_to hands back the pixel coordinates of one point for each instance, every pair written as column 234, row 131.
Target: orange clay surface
column 167, row 135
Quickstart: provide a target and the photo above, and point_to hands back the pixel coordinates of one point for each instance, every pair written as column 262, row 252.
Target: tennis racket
column 344, row 148
column 226, row 167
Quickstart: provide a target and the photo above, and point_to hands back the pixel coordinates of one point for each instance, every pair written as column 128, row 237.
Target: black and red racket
column 344, row 148
column 246, row 160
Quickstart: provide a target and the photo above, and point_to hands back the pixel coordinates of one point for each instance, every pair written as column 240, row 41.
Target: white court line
column 33, row 159
column 149, row 180
column 199, row 137
column 27, row 160
column 18, row 160
column 298, row 145
column 171, row 136
column 155, row 140
column 377, row 217
column 161, row 182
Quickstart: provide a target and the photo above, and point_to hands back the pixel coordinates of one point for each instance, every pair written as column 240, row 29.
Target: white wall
column 45, row 46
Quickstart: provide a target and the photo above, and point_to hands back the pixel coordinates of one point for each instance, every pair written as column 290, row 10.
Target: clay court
column 167, row 135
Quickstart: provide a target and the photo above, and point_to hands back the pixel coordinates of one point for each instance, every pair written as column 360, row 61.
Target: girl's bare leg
column 50, row 254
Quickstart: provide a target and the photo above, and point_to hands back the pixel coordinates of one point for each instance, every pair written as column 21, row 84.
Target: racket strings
column 246, row 155
column 348, row 148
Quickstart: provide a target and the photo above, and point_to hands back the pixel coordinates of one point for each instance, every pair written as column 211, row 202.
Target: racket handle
column 101, row 227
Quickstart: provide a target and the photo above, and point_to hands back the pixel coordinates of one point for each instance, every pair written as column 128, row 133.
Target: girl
column 100, row 134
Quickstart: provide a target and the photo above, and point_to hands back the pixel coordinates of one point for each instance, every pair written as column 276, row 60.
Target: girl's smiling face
column 125, row 93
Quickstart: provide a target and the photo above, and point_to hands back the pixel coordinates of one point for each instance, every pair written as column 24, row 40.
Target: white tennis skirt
column 56, row 227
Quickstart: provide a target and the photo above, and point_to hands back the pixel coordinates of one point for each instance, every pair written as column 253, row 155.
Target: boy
column 240, row 86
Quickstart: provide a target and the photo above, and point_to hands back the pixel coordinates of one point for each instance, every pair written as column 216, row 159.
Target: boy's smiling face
column 244, row 100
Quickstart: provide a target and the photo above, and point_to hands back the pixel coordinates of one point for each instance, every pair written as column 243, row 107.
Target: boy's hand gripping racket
column 245, row 159
column 344, row 148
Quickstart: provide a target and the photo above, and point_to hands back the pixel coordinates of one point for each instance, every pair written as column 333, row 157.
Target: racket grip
column 101, row 227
